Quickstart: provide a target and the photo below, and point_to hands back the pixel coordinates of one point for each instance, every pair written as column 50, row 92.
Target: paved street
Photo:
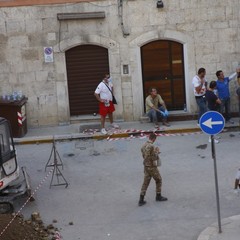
column 105, row 179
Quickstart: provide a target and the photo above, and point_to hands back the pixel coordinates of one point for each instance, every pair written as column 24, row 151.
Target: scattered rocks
column 30, row 229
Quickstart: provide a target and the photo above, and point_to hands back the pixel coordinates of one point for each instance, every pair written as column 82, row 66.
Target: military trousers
column 149, row 173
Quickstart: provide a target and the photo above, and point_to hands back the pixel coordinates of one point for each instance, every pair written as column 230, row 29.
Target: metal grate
column 86, row 67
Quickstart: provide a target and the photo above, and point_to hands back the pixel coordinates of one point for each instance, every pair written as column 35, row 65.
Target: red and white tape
column 57, row 236
column 19, row 115
column 21, row 118
column 29, row 198
column 145, row 135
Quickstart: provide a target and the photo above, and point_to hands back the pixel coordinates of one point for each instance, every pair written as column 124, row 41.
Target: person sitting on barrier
column 156, row 108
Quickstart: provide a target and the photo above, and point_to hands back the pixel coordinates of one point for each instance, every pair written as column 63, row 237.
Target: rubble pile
column 31, row 229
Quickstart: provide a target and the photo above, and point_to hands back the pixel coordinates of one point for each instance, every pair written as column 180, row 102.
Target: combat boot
column 160, row 198
column 141, row 200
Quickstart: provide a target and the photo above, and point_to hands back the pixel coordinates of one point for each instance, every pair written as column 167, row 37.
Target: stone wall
column 208, row 30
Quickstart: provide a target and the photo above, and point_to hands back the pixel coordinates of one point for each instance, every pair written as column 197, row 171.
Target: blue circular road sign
column 212, row 122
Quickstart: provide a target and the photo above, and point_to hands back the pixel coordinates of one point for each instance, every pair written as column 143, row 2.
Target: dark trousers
column 202, row 106
column 154, row 115
column 225, row 105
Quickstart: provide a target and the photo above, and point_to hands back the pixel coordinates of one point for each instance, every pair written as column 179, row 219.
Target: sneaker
column 103, row 131
column 156, row 125
column 114, row 125
column 166, row 124
column 215, row 140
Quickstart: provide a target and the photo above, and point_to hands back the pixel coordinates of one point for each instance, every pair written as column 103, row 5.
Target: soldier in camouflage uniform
column 150, row 156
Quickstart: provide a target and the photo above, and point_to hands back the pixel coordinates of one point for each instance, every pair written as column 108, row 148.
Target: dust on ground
column 20, row 229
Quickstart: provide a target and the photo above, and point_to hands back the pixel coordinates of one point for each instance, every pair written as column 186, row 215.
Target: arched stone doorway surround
column 136, row 68
column 60, row 66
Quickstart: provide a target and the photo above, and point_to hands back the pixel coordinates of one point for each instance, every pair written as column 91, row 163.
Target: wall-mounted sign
column 48, row 54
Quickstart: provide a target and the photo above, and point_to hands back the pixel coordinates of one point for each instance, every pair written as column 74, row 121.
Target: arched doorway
column 86, row 66
column 163, row 68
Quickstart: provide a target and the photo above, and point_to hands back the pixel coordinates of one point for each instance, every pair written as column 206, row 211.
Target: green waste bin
column 15, row 113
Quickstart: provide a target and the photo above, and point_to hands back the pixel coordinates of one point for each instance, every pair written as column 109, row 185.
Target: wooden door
column 86, row 67
column 163, row 68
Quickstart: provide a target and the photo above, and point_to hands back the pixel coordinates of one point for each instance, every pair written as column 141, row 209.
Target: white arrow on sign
column 209, row 123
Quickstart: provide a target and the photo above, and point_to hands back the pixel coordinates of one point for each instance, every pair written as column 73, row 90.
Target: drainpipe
column 120, row 14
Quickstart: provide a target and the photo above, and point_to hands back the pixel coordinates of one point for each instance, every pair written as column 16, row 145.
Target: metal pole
column 216, row 183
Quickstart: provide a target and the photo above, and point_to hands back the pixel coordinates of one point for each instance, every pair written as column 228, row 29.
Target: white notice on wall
column 48, row 54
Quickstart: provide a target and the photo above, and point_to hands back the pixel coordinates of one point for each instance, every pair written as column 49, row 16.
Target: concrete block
column 62, row 101
column 17, row 42
column 4, row 67
column 223, row 48
column 188, row 4
column 204, row 25
column 218, row 14
column 220, row 24
column 50, row 24
column 127, row 100
column 2, row 28
column 210, row 58
column 127, row 93
column 233, row 23
column 32, row 66
column 228, row 35
column 59, row 62
column 156, row 19
column 51, row 36
column 175, row 17
column 204, row 48
column 126, row 85
column 30, row 54
column 2, row 55
column 27, row 78
column 33, row 25
column 41, row 76
column 15, row 26
column 206, row 36
column 185, row 27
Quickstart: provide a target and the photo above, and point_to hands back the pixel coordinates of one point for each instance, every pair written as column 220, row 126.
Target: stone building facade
column 205, row 34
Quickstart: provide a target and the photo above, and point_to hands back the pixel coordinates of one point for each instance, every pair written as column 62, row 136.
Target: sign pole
column 216, row 183
column 212, row 123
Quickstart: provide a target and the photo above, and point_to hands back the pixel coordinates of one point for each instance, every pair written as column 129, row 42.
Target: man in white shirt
column 104, row 93
column 200, row 86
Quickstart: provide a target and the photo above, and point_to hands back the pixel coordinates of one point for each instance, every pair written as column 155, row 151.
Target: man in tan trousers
column 150, row 156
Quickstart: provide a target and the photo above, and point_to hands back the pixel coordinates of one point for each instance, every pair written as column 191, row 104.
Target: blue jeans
column 239, row 106
column 201, row 102
column 225, row 103
column 155, row 115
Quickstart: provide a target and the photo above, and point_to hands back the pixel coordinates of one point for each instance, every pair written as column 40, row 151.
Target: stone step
column 173, row 117
column 144, row 119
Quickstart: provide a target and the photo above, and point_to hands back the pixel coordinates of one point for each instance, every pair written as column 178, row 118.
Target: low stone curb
column 81, row 136
column 212, row 230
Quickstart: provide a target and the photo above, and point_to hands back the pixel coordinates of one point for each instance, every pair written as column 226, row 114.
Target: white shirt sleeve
column 195, row 82
column 232, row 76
column 99, row 88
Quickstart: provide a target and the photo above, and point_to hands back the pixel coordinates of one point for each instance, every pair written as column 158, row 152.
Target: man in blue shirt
column 224, row 94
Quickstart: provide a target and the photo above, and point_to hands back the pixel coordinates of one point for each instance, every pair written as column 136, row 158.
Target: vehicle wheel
column 6, row 207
